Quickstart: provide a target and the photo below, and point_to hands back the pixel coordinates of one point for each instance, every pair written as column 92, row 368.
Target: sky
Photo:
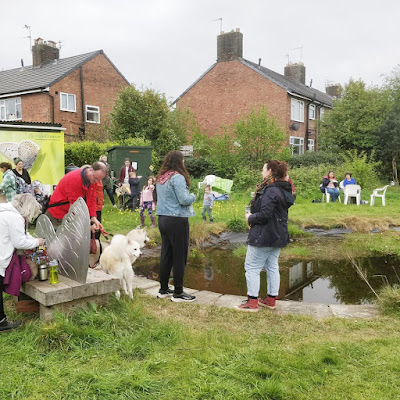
column 166, row 45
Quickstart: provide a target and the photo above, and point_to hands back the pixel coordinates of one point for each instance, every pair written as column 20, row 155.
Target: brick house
column 77, row 92
column 232, row 86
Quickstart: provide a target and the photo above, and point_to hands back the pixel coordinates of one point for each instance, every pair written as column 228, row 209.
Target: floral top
column 8, row 186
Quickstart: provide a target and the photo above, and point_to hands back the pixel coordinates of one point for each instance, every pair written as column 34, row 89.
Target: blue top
column 174, row 199
column 352, row 181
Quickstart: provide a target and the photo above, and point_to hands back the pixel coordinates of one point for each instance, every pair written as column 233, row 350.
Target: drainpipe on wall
column 82, row 128
column 307, row 116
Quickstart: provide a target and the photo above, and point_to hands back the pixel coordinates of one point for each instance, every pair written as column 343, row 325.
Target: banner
column 42, row 153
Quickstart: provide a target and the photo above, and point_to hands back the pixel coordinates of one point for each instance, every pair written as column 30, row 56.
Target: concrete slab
column 206, row 297
column 229, row 301
column 354, row 311
column 302, row 308
column 144, row 283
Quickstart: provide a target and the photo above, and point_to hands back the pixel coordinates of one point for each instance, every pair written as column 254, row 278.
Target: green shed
column 140, row 158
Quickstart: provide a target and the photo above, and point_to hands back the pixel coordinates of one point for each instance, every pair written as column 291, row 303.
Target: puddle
column 326, row 282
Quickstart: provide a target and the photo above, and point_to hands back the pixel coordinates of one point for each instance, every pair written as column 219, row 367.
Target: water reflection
column 328, row 282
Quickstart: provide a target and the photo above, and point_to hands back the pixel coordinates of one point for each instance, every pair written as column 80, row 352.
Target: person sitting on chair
column 330, row 183
column 349, row 180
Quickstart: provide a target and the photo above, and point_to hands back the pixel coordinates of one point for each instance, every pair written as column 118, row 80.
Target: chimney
column 296, row 71
column 44, row 52
column 333, row 90
column 229, row 45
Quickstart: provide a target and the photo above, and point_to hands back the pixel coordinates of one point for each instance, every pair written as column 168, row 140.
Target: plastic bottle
column 53, row 271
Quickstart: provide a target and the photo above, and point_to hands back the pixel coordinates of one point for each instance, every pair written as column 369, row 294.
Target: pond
column 327, row 282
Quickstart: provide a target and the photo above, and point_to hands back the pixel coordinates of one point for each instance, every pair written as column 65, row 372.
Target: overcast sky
column 168, row 44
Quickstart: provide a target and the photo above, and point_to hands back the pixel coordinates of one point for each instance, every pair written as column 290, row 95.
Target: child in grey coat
column 208, row 203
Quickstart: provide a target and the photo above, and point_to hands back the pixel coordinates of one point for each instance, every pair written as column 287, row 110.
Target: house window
column 296, row 145
column 297, row 110
column 310, row 144
column 10, row 109
column 93, row 114
column 321, row 113
column 67, row 102
column 311, row 111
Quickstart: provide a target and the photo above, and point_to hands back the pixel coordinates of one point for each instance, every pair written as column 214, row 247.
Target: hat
column 17, row 160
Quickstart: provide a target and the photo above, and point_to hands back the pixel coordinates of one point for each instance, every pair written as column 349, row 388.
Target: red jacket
column 99, row 196
column 122, row 172
column 69, row 189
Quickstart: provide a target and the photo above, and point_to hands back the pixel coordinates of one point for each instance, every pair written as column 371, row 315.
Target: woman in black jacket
column 268, row 234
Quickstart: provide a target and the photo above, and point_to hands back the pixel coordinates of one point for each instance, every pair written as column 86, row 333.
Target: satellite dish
column 295, row 127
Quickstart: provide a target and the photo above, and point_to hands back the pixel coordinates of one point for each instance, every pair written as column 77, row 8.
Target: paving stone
column 206, row 297
column 144, row 283
column 354, row 311
column 229, row 301
column 303, row 308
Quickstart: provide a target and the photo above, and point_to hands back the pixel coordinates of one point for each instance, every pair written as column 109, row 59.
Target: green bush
column 389, row 300
column 311, row 159
column 237, row 225
column 198, row 167
column 245, row 178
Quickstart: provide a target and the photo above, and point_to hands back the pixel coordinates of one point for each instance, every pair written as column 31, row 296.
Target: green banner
column 42, row 153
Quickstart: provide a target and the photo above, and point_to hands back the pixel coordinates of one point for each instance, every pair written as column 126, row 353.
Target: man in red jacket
column 79, row 183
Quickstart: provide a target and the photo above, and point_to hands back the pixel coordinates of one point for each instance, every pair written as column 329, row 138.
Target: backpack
column 20, row 185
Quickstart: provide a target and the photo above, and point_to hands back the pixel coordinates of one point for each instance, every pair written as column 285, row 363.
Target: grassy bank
column 155, row 349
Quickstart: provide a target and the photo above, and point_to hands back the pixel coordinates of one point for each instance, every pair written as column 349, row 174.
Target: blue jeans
column 257, row 259
column 334, row 193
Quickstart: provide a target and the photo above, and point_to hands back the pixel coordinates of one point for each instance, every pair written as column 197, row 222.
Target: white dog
column 117, row 260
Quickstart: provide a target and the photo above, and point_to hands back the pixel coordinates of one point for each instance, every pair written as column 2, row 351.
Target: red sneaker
column 251, row 305
column 269, row 302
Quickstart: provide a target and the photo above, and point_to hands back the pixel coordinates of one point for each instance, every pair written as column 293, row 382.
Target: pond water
column 327, row 282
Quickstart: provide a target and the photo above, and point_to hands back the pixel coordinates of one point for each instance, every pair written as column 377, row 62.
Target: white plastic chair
column 328, row 196
column 380, row 192
column 352, row 191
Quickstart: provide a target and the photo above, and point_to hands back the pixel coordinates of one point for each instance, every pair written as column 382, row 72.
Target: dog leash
column 105, row 234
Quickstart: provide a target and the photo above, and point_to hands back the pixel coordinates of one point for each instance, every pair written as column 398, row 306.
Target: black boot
column 6, row 325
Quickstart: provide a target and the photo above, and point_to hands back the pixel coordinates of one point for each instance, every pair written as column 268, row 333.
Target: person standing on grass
column 134, row 182
column 174, row 206
column 147, row 202
column 268, row 222
column 208, row 204
column 8, row 186
column 107, row 185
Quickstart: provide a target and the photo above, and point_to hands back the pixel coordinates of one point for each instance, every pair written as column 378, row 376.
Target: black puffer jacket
column 269, row 216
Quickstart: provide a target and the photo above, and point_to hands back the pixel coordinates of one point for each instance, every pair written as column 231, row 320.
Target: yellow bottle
column 53, row 271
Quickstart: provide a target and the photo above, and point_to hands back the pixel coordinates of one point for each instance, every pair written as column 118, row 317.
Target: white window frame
column 69, row 108
column 321, row 113
column 310, row 145
column 3, row 109
column 299, row 145
column 95, row 110
column 297, row 110
column 311, row 111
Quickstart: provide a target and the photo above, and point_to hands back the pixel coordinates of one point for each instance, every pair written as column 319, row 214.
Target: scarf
column 163, row 178
column 265, row 182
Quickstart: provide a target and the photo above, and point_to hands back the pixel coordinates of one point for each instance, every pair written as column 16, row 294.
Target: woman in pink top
column 147, row 201
column 330, row 183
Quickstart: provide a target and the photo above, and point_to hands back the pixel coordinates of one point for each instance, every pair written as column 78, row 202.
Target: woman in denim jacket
column 174, row 206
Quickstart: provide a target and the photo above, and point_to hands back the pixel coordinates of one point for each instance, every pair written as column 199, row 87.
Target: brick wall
column 229, row 91
column 101, row 86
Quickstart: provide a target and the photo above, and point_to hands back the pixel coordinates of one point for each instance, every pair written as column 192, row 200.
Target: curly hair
column 174, row 161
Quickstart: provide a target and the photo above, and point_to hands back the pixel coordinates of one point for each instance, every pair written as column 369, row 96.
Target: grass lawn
column 155, row 349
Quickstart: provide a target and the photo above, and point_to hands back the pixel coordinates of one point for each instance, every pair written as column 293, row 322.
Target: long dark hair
column 173, row 161
column 278, row 168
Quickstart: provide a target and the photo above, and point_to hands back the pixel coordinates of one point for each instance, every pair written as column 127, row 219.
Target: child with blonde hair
column 208, row 203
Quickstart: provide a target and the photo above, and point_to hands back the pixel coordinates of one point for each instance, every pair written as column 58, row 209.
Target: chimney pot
column 296, row 72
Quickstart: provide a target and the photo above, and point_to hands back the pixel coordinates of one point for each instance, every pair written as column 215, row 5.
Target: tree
column 259, row 137
column 139, row 114
column 388, row 139
column 355, row 118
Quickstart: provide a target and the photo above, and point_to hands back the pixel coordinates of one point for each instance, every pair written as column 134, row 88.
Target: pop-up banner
column 41, row 151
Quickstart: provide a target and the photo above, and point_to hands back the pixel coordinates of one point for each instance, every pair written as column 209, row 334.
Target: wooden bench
column 69, row 294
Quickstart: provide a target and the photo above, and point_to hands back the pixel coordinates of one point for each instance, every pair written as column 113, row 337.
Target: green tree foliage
column 259, row 137
column 355, row 118
column 139, row 114
column 388, row 140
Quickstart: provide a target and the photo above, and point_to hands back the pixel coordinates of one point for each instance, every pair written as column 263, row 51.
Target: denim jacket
column 174, row 199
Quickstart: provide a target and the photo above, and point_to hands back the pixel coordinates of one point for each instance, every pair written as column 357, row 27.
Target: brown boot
column 251, row 305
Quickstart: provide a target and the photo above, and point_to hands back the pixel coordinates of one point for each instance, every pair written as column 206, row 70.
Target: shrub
column 311, row 159
column 237, row 225
column 198, row 167
column 245, row 178
column 389, row 299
